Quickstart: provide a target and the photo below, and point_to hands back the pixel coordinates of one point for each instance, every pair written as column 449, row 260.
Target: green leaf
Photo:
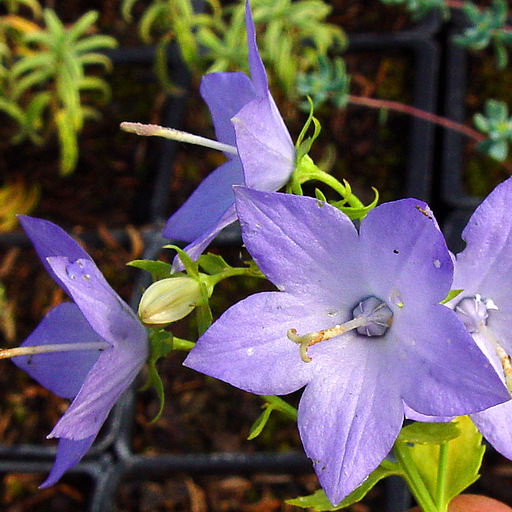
column 68, row 143
column 258, row 426
column 318, row 501
column 213, row 263
column 451, row 295
column 157, row 269
column 464, row 459
column 190, row 266
column 434, row 433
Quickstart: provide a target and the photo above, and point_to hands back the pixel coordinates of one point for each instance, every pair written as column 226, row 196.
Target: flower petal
column 112, row 374
column 105, row 311
column 248, row 347
column 61, row 372
column 496, row 426
column 226, row 94
column 204, row 208
column 258, row 75
column 406, row 257
column 49, row 240
column 264, row 145
column 444, row 371
column 349, row 417
column 302, row 245
column 68, row 454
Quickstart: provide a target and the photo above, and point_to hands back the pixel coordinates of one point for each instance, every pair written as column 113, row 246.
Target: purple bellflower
column 96, row 344
column 483, row 270
column 245, row 118
column 356, row 320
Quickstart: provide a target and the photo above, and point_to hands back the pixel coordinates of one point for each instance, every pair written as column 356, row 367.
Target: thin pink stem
column 416, row 112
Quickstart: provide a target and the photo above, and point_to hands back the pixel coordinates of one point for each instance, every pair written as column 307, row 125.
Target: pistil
column 52, row 348
column 371, row 317
column 155, row 130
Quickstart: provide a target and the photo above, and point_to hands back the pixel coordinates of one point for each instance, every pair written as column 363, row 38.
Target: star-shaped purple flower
column 382, row 287
column 244, row 116
column 483, row 270
column 92, row 379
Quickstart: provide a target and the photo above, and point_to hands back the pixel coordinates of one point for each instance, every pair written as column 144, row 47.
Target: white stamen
column 56, row 347
column 148, row 130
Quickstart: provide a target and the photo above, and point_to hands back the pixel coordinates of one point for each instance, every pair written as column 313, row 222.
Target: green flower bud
column 169, row 300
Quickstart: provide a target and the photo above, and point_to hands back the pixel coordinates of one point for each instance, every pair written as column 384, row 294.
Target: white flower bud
column 169, row 300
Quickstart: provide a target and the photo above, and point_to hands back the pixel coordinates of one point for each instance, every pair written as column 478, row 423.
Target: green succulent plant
column 291, row 34
column 44, row 77
column 420, row 8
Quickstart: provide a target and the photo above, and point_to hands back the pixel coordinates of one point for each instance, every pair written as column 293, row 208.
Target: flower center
column 371, row 317
column 474, row 312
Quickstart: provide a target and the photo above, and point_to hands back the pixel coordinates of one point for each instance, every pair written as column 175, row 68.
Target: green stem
column 413, row 478
column 442, row 468
column 280, row 405
column 181, row 344
column 236, row 271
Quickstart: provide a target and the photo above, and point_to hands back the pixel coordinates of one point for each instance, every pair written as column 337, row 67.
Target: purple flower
column 382, row 287
column 245, row 117
column 483, row 270
column 93, row 379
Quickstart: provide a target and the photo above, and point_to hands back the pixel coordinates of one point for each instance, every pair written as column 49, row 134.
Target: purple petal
column 49, row 240
column 302, row 245
column 411, row 414
column 248, row 347
column 105, row 311
column 258, row 75
column 496, row 426
column 195, row 249
column 444, row 372
column 68, row 454
column 349, row 417
column 405, row 254
column 264, row 145
column 485, row 266
column 62, row 372
column 112, row 374
column 204, row 208
column 226, row 94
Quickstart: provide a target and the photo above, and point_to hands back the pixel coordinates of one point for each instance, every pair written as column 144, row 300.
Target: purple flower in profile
column 103, row 344
column 483, row 270
column 363, row 308
column 246, row 118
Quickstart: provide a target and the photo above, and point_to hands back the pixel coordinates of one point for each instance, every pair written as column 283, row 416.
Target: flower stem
column 442, row 467
column 413, row 478
column 52, row 348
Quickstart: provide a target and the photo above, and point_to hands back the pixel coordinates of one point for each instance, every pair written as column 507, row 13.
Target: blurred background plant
column 45, row 84
column 291, row 35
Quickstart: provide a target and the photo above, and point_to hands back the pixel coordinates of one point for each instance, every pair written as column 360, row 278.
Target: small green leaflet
column 158, row 269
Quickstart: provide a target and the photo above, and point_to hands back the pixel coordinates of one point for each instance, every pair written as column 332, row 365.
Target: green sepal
column 451, row 295
column 213, row 263
column 302, row 145
column 160, row 345
column 355, row 212
column 463, row 461
column 158, row 269
column 318, row 500
column 272, row 403
column 190, row 266
column 434, row 433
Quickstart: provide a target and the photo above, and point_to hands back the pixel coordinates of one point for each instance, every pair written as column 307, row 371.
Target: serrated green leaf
column 318, row 501
column 464, row 459
column 434, row 433
column 157, row 269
